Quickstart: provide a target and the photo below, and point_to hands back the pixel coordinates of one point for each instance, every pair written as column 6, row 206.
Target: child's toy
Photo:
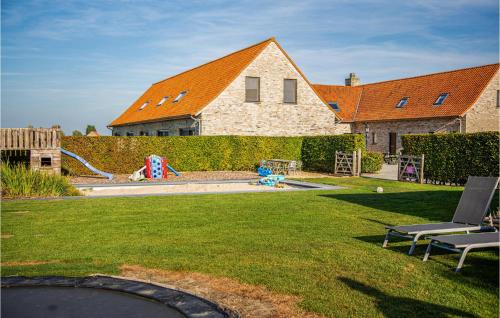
column 272, row 180
column 156, row 167
column 264, row 169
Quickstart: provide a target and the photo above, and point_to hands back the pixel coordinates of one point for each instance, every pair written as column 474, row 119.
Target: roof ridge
column 430, row 74
column 411, row 77
column 271, row 39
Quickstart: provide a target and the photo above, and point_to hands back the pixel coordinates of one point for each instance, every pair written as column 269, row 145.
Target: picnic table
column 281, row 166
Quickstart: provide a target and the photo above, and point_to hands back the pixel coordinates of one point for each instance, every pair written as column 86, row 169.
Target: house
column 255, row 91
column 93, row 133
column 465, row 100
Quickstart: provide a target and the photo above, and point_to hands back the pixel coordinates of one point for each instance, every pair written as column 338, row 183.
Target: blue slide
column 173, row 170
column 86, row 164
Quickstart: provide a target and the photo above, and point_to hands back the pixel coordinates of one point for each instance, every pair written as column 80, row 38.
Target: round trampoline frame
column 187, row 304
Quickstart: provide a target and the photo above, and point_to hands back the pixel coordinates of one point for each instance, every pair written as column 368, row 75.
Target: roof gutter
column 153, row 120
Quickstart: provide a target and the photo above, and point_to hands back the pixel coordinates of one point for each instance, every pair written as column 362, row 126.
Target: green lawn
column 324, row 246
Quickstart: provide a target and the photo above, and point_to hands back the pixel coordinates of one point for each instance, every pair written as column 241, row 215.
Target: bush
column 204, row 153
column 371, row 162
column 451, row 158
column 19, row 181
column 318, row 152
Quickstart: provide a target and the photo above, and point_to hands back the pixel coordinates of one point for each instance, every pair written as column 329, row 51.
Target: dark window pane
column 290, row 91
column 252, row 89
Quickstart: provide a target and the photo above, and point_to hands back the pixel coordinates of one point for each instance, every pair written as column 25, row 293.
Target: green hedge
column 451, row 158
column 204, row 153
column 371, row 162
column 318, row 152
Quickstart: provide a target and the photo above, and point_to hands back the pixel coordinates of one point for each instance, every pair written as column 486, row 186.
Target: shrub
column 19, row 181
column 318, row 152
column 371, row 162
column 451, row 158
column 204, row 153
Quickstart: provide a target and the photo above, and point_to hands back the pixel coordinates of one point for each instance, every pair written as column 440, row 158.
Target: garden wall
column 204, row 153
column 451, row 158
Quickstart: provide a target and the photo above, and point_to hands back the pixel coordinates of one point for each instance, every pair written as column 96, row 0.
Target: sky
column 75, row 63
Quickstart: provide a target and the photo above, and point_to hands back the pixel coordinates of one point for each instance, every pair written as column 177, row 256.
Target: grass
column 19, row 181
column 324, row 246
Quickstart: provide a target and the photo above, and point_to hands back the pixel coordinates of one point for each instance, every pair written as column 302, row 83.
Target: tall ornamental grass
column 19, row 181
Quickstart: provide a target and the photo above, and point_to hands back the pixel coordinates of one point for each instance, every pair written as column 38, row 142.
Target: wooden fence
column 411, row 168
column 30, row 138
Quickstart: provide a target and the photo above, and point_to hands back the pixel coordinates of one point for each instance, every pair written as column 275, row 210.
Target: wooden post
column 421, row 173
column 335, row 163
column 399, row 167
column 354, row 163
column 359, row 162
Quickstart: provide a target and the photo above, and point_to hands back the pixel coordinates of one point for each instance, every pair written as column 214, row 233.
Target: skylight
column 144, row 105
column 163, row 100
column 402, row 102
column 440, row 99
column 181, row 95
column 334, row 105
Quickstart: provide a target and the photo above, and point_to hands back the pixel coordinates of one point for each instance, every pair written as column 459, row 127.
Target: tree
column 89, row 129
column 77, row 133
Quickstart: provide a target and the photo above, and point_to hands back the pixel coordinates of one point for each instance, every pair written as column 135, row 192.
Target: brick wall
column 172, row 126
column 229, row 114
column 485, row 115
column 382, row 130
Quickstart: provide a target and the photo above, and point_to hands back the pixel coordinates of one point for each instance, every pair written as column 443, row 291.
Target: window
column 117, row 134
column 46, row 161
column 290, row 91
column 129, row 133
column 440, row 99
column 144, row 105
column 402, row 102
column 181, row 95
column 163, row 100
column 143, row 133
column 334, row 105
column 186, row 131
column 498, row 98
column 252, row 89
column 162, row 133
column 374, row 138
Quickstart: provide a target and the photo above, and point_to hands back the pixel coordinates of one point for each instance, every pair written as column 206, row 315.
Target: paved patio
column 388, row 172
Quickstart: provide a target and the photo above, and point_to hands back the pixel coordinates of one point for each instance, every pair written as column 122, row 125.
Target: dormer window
column 178, row 98
column 402, row 102
column 144, row 105
column 334, row 106
column 163, row 100
column 440, row 99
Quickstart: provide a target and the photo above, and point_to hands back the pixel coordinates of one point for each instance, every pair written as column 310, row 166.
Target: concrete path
column 388, row 172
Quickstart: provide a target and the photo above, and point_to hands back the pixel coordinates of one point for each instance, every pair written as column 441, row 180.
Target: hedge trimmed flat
column 463, row 243
column 469, row 214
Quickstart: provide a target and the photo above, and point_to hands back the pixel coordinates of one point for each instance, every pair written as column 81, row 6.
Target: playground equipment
column 155, row 168
column 86, row 164
column 272, row 180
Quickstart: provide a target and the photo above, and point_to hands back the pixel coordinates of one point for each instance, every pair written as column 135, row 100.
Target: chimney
column 352, row 80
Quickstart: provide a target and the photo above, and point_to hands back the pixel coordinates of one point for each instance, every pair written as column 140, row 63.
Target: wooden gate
column 411, row 168
column 348, row 163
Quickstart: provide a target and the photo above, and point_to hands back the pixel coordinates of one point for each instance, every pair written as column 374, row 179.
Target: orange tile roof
column 203, row 84
column 346, row 97
column 378, row 100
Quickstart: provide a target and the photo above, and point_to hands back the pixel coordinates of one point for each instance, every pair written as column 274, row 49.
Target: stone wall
column 172, row 126
column 485, row 115
column 383, row 128
column 229, row 114
column 46, row 160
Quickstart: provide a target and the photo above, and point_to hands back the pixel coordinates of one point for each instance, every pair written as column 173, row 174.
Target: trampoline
column 99, row 296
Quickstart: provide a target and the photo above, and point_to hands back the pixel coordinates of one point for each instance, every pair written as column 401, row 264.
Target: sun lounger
column 463, row 243
column 469, row 214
